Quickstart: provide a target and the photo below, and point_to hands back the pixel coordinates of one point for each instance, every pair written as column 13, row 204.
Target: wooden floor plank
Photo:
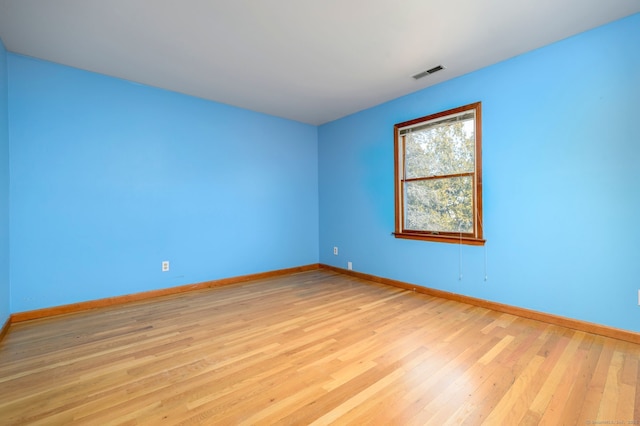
column 316, row 347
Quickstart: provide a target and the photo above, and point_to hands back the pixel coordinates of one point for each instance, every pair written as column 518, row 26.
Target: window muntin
column 439, row 176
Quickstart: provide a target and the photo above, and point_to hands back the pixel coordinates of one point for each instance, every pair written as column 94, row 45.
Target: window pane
column 444, row 149
column 439, row 205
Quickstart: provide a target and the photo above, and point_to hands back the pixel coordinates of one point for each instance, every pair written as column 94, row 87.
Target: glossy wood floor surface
column 312, row 348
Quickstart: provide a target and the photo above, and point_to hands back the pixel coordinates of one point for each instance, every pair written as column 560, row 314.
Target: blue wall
column 5, row 291
column 561, row 151
column 110, row 178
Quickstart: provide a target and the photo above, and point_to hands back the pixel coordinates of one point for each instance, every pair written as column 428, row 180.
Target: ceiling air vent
column 427, row 72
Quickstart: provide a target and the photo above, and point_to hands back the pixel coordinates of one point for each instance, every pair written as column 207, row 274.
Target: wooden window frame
column 473, row 238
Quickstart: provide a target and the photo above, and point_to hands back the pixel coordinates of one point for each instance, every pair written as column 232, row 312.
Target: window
column 438, row 182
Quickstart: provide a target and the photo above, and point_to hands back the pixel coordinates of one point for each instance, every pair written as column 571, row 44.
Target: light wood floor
column 312, row 348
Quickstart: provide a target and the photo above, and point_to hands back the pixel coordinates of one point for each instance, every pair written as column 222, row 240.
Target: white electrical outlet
column 349, row 266
column 335, row 251
column 165, row 266
column 639, row 297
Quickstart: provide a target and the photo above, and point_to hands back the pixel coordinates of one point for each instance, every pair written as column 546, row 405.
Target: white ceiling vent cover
column 428, row 72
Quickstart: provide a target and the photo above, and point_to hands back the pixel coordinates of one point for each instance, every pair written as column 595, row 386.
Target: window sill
column 451, row 239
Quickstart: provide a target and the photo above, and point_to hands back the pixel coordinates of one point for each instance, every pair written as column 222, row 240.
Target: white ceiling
column 307, row 60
